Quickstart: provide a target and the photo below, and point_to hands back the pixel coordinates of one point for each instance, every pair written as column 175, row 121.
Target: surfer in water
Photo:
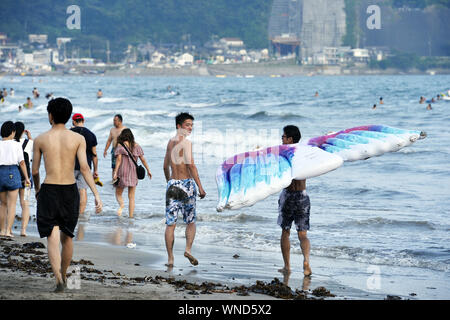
column 294, row 206
column 182, row 182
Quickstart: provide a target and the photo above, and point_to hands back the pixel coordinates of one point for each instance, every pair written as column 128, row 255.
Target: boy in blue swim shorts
column 180, row 199
column 182, row 177
column 294, row 206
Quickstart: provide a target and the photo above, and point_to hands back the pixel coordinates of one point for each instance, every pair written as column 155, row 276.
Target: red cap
column 77, row 116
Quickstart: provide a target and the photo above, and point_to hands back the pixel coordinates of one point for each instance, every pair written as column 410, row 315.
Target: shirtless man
column 294, row 206
column 181, row 173
column 113, row 134
column 58, row 199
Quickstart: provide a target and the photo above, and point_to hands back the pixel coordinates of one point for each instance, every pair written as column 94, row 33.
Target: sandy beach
column 108, row 273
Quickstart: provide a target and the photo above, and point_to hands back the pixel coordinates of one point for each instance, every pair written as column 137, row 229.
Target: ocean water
column 388, row 214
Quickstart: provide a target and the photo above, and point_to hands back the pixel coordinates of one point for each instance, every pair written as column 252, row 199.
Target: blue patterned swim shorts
column 181, row 198
column 294, row 206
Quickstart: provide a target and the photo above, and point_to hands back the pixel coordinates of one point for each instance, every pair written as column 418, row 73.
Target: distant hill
column 134, row 21
column 126, row 22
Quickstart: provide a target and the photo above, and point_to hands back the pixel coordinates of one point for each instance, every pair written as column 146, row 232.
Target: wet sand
column 104, row 273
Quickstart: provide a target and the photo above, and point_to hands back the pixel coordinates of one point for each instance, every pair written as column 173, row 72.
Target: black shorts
column 294, row 206
column 57, row 205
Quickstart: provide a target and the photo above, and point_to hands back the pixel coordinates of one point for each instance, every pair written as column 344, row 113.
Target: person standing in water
column 91, row 157
column 125, row 169
column 11, row 161
column 28, row 104
column 294, row 206
column 181, row 192
column 112, row 139
column 27, row 147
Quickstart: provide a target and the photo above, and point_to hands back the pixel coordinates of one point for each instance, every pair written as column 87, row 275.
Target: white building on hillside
column 186, row 59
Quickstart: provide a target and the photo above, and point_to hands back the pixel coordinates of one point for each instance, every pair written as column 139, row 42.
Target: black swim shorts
column 57, row 205
column 294, row 206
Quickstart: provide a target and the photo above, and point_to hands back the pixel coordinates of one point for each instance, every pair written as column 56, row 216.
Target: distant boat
column 221, row 76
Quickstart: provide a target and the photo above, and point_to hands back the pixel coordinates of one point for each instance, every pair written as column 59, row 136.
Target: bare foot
column 306, row 283
column 23, row 234
column 192, row 260
column 285, row 271
column 9, row 235
column 306, row 269
column 119, row 211
column 169, row 266
column 59, row 288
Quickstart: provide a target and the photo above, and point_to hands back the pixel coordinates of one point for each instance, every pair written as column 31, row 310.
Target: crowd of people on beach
column 71, row 166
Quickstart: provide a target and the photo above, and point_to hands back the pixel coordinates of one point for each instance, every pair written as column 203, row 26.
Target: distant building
column 158, row 57
column 331, row 56
column 38, row 38
column 3, row 38
column 186, row 59
column 360, row 55
column 61, row 41
column 42, row 57
column 28, row 58
column 285, row 25
column 306, row 27
column 232, row 42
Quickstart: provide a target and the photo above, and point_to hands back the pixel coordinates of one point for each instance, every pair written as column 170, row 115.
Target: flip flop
column 192, row 260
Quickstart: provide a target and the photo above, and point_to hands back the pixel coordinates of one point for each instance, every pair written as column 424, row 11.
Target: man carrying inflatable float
column 247, row 178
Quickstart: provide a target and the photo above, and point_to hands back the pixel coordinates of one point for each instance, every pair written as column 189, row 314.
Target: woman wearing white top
column 11, row 156
column 28, row 156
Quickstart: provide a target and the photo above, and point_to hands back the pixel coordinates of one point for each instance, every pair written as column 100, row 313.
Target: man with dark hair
column 181, row 176
column 91, row 156
column 112, row 139
column 294, row 206
column 28, row 104
column 58, row 199
column 181, row 117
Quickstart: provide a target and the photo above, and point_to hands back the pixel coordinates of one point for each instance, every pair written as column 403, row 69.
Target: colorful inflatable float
column 247, row 178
